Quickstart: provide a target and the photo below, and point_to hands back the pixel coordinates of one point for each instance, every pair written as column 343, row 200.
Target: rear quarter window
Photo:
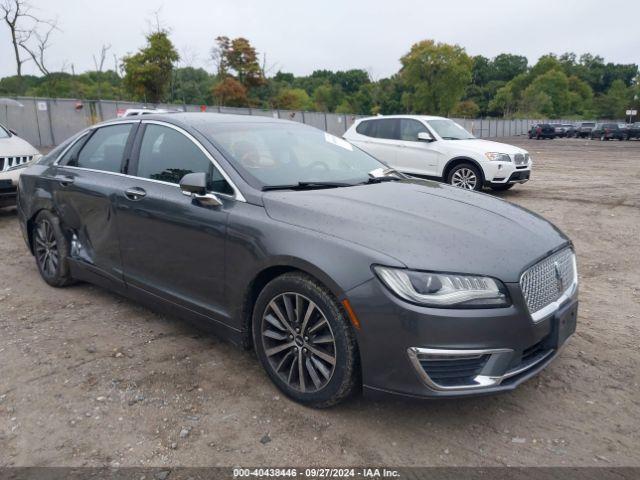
column 364, row 128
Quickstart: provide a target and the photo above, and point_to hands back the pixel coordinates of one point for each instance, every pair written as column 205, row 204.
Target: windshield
column 449, row 130
column 3, row 132
column 276, row 154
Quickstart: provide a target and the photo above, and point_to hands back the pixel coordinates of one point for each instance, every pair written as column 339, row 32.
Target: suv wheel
column 465, row 176
column 304, row 341
column 51, row 250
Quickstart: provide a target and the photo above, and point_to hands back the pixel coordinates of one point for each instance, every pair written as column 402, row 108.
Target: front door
column 414, row 155
column 173, row 246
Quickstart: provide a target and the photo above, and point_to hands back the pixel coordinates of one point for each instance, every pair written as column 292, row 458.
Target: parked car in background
column 569, row 130
column 541, row 131
column 134, row 112
column 439, row 148
column 281, row 237
column 633, row 130
column 584, row 129
column 608, row 131
column 559, row 130
column 15, row 154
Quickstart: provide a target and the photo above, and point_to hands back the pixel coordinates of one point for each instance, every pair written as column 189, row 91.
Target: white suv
column 437, row 147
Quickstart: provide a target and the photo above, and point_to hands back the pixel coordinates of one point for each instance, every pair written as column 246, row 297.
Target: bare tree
column 25, row 29
column 99, row 61
column 42, row 43
column 188, row 56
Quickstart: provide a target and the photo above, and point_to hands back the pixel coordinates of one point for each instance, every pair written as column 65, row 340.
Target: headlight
column 444, row 289
column 498, row 157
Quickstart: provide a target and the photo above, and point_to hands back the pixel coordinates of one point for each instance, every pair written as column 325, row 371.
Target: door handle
column 135, row 193
column 64, row 180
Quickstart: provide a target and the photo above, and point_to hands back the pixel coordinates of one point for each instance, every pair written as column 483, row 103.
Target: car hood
column 424, row 225
column 16, row 147
column 477, row 145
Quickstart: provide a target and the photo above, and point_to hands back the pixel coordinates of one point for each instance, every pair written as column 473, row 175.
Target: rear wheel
column 304, row 341
column 51, row 250
column 465, row 176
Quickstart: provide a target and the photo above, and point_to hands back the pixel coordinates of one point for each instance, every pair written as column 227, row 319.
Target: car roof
column 414, row 117
column 194, row 119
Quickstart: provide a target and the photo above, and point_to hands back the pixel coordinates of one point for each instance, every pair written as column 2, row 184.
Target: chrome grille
column 8, row 162
column 520, row 159
column 547, row 280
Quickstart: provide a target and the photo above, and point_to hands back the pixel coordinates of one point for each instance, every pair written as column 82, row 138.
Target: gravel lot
column 89, row 378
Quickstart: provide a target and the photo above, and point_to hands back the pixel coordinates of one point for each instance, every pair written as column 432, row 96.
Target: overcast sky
column 300, row 36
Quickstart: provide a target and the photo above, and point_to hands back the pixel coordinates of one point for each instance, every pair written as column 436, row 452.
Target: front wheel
column 304, row 341
column 51, row 249
column 465, row 176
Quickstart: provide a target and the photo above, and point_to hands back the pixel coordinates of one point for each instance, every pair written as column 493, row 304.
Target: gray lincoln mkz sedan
column 341, row 273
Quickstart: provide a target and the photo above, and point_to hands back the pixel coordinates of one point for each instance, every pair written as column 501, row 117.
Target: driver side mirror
column 425, row 137
column 194, row 185
column 13, row 132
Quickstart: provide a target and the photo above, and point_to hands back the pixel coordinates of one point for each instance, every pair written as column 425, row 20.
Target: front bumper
column 8, row 193
column 438, row 353
column 501, row 173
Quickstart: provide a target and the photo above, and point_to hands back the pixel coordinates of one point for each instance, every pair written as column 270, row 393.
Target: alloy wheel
column 46, row 248
column 298, row 342
column 464, row 178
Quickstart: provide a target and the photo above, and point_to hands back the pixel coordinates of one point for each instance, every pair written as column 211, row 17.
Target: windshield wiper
column 307, row 186
column 381, row 179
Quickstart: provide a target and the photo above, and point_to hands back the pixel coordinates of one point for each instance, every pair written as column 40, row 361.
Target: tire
column 280, row 347
column 502, row 188
column 51, row 250
column 467, row 171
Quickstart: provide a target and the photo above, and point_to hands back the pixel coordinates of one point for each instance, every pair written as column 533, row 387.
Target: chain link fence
column 46, row 122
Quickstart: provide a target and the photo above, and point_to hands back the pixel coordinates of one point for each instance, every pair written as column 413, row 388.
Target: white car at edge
column 439, row 148
column 15, row 154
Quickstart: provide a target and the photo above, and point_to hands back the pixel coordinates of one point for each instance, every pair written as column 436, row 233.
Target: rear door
column 172, row 246
column 86, row 179
column 379, row 138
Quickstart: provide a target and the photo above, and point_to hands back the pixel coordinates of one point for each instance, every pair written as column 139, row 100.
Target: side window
column 167, row 155
column 388, row 128
column 104, row 150
column 70, row 156
column 409, row 129
column 364, row 128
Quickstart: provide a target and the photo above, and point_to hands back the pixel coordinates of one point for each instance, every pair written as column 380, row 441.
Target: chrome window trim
column 237, row 193
column 63, row 153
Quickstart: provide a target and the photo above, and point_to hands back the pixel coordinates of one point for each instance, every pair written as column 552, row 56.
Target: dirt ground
column 89, row 378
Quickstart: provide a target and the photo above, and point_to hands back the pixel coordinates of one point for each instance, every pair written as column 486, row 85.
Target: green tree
column 148, row 73
column 506, row 66
column 293, row 99
column 327, row 97
column 435, row 76
column 192, row 85
column 466, row 109
column 614, row 103
column 548, row 94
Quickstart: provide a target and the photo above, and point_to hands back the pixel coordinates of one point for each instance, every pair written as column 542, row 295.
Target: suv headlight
column 444, row 289
column 498, row 157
